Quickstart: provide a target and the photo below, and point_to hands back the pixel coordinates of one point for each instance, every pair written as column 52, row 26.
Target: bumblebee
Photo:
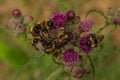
column 46, row 25
column 94, row 40
column 49, row 46
column 43, row 26
column 35, row 30
column 36, row 40
column 62, row 37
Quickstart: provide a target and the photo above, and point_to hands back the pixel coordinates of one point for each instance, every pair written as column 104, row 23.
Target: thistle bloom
column 70, row 57
column 20, row 27
column 59, row 19
column 87, row 71
column 83, row 44
column 116, row 21
column 86, row 25
column 70, row 14
column 16, row 13
column 10, row 26
column 78, row 74
column 27, row 19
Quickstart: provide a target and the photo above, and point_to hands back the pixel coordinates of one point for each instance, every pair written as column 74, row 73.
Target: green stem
column 69, row 77
column 25, row 34
column 76, row 6
column 85, row 60
column 92, row 65
column 103, row 27
column 24, row 67
column 54, row 74
column 56, row 61
column 101, row 46
column 61, row 4
column 113, row 28
column 96, row 11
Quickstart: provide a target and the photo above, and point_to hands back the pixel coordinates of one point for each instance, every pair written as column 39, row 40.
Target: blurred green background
column 16, row 52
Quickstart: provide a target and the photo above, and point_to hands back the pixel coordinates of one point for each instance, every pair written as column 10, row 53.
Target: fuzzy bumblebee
column 40, row 34
column 94, row 40
column 62, row 37
column 46, row 25
column 49, row 46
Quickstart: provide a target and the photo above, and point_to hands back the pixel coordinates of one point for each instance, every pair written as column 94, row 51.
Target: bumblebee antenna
column 25, row 66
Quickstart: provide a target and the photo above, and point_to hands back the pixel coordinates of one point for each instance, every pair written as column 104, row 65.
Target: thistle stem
column 56, row 61
column 54, row 74
column 113, row 28
column 103, row 27
column 92, row 65
column 24, row 67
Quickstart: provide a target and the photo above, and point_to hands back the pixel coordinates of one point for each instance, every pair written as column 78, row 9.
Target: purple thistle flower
column 87, row 71
column 83, row 44
column 116, row 21
column 19, row 28
column 59, row 19
column 78, row 74
column 70, row 57
column 70, row 14
column 86, row 25
column 16, row 13
column 8, row 25
column 27, row 19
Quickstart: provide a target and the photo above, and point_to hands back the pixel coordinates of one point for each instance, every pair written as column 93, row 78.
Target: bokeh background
column 16, row 52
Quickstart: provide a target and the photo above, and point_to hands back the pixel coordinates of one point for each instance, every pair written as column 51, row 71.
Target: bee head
column 88, row 43
column 50, row 23
column 35, row 41
column 93, row 41
column 36, row 29
column 65, row 41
